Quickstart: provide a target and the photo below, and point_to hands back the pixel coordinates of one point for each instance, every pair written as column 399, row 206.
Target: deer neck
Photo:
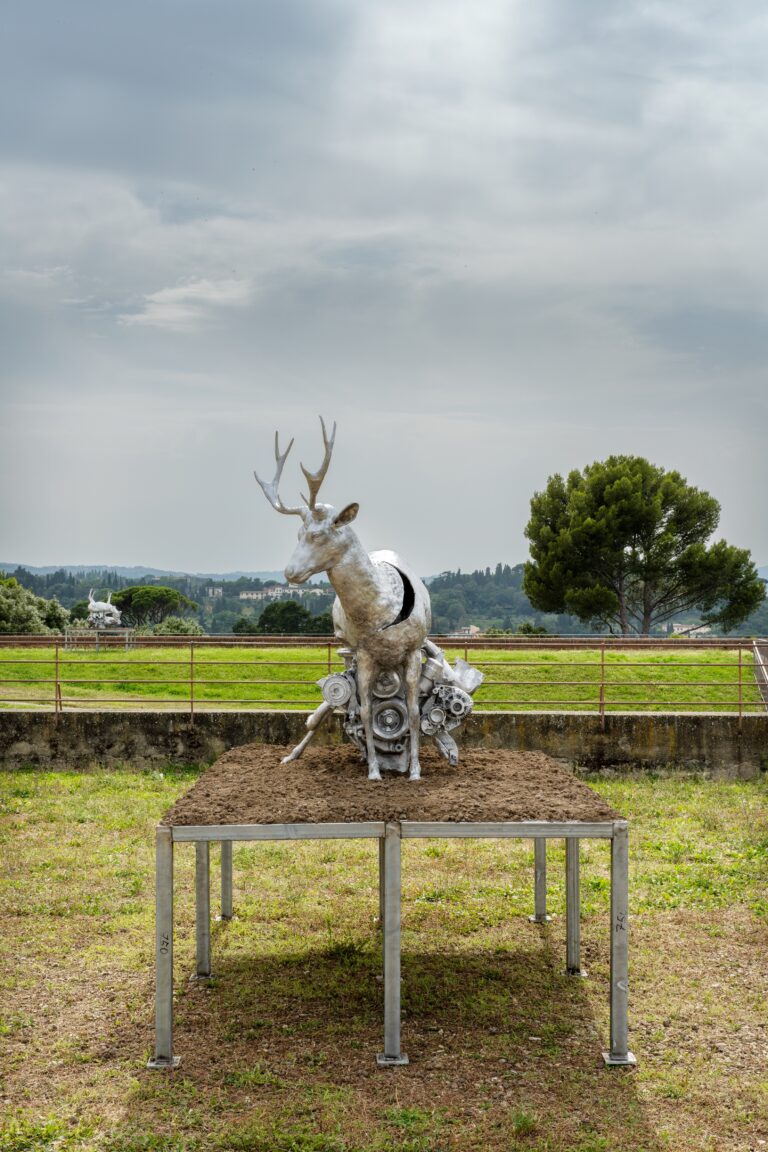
column 364, row 592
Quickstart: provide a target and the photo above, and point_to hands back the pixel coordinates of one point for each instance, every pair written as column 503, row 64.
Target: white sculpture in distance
column 382, row 616
column 102, row 613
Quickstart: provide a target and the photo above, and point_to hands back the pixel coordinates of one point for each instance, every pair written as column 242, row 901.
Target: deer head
column 325, row 535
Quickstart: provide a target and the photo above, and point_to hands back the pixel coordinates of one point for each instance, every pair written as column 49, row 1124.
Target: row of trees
column 492, row 599
column 285, row 618
column 163, row 611
column 22, row 613
column 622, row 546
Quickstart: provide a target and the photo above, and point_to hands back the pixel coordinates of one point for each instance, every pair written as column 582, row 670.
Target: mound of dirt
column 249, row 785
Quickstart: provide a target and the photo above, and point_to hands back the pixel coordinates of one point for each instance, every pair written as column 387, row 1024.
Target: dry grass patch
column 278, row 1049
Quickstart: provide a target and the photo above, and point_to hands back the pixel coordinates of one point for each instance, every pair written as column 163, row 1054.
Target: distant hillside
column 490, row 598
column 487, row 598
column 494, row 598
column 137, row 572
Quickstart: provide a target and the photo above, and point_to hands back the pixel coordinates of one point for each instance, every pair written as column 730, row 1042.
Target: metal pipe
column 619, row 1051
column 572, row 910
column 203, row 908
column 382, row 882
column 226, row 879
column 391, row 1054
column 164, row 1057
column 539, row 882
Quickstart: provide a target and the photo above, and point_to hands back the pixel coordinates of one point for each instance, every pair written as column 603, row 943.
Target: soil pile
column 249, row 785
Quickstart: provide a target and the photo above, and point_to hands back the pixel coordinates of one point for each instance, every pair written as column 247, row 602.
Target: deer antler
column 315, row 479
column 270, row 490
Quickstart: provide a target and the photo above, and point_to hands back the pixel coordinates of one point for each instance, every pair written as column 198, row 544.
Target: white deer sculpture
column 102, row 613
column 382, row 610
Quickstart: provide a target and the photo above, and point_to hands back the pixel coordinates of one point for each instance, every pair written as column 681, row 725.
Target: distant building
column 468, row 633
column 216, row 592
column 280, row 592
column 691, row 630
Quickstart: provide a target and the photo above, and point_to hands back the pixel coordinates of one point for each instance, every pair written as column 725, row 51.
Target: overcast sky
column 493, row 241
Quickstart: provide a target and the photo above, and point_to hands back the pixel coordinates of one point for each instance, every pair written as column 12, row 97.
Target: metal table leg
column 203, row 908
column 391, row 1054
column 164, row 1057
column 619, row 1052
column 382, row 882
column 540, row 882
column 572, row 909
column 226, row 879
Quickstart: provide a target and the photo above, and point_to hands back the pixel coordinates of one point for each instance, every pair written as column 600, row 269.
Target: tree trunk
column 647, row 609
column 623, row 616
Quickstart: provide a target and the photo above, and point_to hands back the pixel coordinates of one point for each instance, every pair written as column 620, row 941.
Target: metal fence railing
column 185, row 674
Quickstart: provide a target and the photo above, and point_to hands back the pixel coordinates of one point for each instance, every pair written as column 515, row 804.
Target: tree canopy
column 624, row 544
column 178, row 626
column 491, row 598
column 285, row 618
column 143, row 604
column 23, row 613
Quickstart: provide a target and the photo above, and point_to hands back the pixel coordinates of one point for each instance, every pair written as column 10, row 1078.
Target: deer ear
column 347, row 515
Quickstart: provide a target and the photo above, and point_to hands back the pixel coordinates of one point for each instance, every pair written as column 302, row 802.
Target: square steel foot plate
column 539, row 919
column 163, row 1063
column 391, row 1061
column 618, row 1061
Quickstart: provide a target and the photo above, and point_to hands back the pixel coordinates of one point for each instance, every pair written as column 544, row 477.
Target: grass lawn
column 535, row 679
column 278, row 1052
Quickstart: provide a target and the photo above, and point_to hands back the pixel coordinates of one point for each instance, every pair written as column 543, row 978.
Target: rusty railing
column 591, row 674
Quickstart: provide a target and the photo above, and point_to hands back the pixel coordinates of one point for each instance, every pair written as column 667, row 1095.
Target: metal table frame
column 389, row 837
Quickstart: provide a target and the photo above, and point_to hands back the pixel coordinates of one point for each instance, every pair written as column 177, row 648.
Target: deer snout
column 297, row 575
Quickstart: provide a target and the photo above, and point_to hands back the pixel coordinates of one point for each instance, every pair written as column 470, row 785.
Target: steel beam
column 382, row 885
column 224, row 832
column 164, row 1057
column 391, row 1055
column 619, row 1053
column 572, row 910
column 539, row 882
column 203, row 909
column 520, row 830
column 226, row 879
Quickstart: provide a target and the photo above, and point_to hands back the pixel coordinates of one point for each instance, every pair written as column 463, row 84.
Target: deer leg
column 412, row 678
column 313, row 723
column 366, row 672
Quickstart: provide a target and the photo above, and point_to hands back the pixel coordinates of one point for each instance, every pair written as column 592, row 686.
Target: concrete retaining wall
column 628, row 741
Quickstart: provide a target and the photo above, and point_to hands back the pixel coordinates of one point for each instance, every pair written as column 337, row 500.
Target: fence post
column 741, row 698
column 56, row 683
column 602, row 685
column 191, row 681
column 329, row 657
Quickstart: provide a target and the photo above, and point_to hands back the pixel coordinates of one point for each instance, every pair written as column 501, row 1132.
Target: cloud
column 186, row 306
column 492, row 241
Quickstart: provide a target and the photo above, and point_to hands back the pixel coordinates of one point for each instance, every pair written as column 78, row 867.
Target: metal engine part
column 444, row 708
column 388, row 683
column 337, row 688
column 390, row 719
column 444, row 703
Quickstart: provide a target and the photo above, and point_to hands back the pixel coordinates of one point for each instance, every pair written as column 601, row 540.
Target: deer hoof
column 373, row 772
column 415, row 772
